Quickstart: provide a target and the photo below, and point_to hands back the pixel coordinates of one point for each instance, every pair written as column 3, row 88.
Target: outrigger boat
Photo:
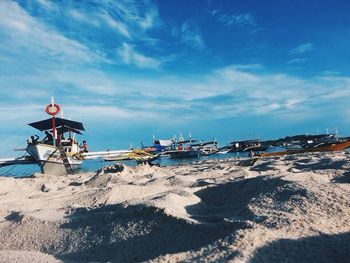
column 59, row 156
column 246, row 146
column 319, row 147
column 183, row 149
column 139, row 155
column 56, row 155
column 206, row 148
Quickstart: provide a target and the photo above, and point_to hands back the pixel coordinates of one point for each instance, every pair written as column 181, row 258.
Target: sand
column 280, row 209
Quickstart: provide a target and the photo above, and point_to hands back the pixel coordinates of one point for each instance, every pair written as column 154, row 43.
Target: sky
column 134, row 69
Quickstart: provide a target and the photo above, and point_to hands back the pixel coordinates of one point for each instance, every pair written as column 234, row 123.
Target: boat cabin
column 62, row 135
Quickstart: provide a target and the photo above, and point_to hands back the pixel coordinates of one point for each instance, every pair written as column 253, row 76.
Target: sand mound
column 292, row 208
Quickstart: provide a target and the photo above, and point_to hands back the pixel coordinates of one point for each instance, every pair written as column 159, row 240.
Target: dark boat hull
column 183, row 154
column 326, row 148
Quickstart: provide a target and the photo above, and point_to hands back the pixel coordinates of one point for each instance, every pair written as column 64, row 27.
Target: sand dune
column 290, row 208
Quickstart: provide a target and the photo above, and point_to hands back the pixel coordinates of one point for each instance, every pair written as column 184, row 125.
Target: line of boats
column 61, row 153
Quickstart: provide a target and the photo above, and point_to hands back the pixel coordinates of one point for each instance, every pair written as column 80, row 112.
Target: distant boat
column 319, row 147
column 181, row 154
column 246, row 146
column 139, row 155
column 206, row 148
column 158, row 146
column 183, row 149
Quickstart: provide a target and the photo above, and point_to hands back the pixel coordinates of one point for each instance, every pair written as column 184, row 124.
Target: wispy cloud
column 234, row 20
column 83, row 17
column 223, row 93
column 49, row 5
column 131, row 57
column 85, row 57
column 297, row 61
column 302, row 48
column 34, row 37
column 115, row 24
column 190, row 34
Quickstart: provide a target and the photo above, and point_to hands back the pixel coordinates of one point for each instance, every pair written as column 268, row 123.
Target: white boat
column 206, row 148
column 51, row 161
column 56, row 155
column 59, row 156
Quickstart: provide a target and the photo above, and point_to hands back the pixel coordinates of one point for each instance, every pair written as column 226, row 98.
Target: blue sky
column 133, row 69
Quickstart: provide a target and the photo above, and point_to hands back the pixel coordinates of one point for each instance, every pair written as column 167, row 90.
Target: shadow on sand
column 343, row 179
column 230, row 201
column 139, row 233
column 322, row 164
column 321, row 248
column 133, row 234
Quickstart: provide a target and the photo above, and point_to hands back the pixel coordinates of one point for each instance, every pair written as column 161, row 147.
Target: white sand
column 282, row 209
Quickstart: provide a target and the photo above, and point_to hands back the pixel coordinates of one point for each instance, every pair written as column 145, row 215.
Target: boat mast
column 53, row 109
column 53, row 124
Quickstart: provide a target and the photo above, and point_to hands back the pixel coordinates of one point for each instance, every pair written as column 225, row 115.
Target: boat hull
column 327, row 148
column 183, row 154
column 49, row 160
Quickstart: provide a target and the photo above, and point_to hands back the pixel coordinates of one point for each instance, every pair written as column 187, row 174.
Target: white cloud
column 190, row 34
column 222, row 93
column 83, row 17
column 234, row 20
column 119, row 26
column 297, row 61
column 49, row 5
column 149, row 20
column 131, row 57
column 302, row 48
column 132, row 18
column 34, row 37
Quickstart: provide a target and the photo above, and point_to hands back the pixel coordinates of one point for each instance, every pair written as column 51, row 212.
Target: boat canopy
column 204, row 143
column 185, row 141
column 164, row 142
column 64, row 129
column 64, row 124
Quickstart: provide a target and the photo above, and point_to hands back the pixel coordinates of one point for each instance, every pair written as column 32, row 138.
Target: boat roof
column 45, row 125
column 185, row 141
column 204, row 143
column 63, row 129
column 163, row 142
column 245, row 141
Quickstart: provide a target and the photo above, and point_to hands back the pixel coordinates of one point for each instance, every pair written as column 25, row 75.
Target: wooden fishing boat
column 324, row 147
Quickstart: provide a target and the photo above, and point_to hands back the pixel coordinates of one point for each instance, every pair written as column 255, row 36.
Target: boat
column 139, row 155
column 183, row 149
column 116, row 157
column 181, row 154
column 319, row 147
column 246, row 146
column 55, row 154
column 206, row 148
column 59, row 153
column 158, row 146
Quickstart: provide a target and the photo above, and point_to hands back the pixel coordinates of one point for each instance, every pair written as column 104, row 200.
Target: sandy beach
column 280, row 209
